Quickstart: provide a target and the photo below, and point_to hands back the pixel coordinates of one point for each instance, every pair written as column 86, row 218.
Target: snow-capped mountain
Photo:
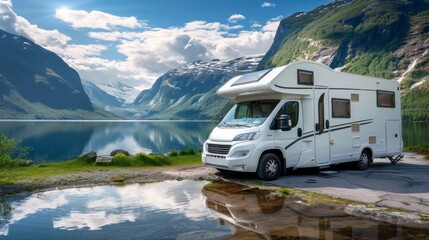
column 189, row 92
column 124, row 93
column 99, row 97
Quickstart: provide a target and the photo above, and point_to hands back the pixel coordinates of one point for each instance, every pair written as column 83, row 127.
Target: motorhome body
column 305, row 115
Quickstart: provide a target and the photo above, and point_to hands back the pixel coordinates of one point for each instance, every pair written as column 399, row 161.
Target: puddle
column 184, row 210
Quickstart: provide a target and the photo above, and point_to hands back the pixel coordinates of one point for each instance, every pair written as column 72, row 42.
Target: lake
column 62, row 140
column 184, row 210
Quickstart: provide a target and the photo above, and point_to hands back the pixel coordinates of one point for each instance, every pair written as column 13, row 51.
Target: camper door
column 321, row 126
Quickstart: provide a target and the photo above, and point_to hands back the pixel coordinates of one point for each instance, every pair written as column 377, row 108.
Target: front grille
column 218, row 149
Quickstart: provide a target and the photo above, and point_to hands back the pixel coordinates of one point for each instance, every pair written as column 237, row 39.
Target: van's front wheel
column 269, row 167
column 364, row 160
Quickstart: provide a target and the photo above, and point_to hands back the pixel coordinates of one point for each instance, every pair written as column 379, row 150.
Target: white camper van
column 305, row 115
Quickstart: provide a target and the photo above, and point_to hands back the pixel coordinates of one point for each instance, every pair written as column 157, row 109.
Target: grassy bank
column 13, row 175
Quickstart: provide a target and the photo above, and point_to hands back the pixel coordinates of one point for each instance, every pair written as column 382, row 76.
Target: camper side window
column 305, row 77
column 291, row 109
column 385, row 99
column 340, row 108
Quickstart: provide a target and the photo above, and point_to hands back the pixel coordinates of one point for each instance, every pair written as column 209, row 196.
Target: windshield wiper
column 243, row 125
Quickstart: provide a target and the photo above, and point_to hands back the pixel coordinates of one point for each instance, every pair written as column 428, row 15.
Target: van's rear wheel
column 269, row 167
column 364, row 160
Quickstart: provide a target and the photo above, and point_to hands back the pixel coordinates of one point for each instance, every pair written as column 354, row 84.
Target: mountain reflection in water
column 63, row 140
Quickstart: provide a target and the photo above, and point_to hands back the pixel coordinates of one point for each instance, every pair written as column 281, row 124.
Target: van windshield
column 248, row 114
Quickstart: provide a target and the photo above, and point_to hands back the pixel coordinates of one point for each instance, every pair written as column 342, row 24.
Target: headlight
column 246, row 136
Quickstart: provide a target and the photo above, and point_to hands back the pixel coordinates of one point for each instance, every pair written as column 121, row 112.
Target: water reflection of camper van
column 258, row 214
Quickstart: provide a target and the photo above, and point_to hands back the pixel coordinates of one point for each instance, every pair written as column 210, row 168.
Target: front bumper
column 242, row 156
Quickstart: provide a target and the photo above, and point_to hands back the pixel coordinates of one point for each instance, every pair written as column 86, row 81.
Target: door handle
column 299, row 132
column 327, row 124
column 317, row 127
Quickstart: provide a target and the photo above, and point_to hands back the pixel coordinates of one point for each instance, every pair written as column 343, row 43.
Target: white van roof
column 284, row 80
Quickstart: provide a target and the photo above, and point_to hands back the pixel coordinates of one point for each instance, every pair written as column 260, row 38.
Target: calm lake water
column 58, row 141
column 184, row 210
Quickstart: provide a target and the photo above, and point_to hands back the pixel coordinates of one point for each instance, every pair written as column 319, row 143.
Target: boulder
column 117, row 151
column 104, row 159
column 88, row 157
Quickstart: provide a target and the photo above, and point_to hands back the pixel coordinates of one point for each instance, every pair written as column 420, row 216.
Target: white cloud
column 96, row 19
column 10, row 22
column 256, row 25
column 158, row 50
column 236, row 17
column 268, row 4
column 146, row 52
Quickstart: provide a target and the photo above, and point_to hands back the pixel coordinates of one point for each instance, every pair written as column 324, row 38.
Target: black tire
column 364, row 160
column 269, row 167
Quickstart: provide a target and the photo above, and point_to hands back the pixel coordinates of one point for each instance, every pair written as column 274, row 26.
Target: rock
column 24, row 162
column 104, row 159
column 117, row 151
column 90, row 157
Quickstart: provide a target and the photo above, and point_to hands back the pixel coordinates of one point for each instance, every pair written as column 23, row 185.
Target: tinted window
column 321, row 108
column 340, row 108
column 305, row 77
column 291, row 109
column 385, row 99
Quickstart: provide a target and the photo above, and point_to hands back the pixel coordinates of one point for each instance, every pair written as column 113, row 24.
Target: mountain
column 37, row 84
column 189, row 92
column 121, row 91
column 99, row 97
column 109, row 102
column 381, row 38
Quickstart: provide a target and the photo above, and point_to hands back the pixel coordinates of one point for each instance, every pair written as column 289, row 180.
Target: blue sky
column 134, row 42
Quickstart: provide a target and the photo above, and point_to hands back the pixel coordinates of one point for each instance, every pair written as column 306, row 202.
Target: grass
column 13, row 175
column 284, row 191
column 424, row 217
column 422, row 149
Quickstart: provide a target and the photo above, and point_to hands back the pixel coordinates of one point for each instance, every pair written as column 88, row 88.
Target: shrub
column 183, row 152
column 173, row 153
column 122, row 160
column 9, row 149
column 191, row 150
column 151, row 160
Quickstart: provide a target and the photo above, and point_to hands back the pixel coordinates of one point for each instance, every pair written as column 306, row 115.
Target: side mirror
column 284, row 122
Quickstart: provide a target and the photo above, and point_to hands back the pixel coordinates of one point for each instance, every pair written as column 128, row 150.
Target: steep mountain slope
column 189, row 92
column 381, row 38
column 36, row 83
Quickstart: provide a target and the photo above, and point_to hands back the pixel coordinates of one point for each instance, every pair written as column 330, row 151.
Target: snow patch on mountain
column 120, row 90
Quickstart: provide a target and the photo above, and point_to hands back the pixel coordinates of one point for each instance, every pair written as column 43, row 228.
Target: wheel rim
column 272, row 167
column 364, row 160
